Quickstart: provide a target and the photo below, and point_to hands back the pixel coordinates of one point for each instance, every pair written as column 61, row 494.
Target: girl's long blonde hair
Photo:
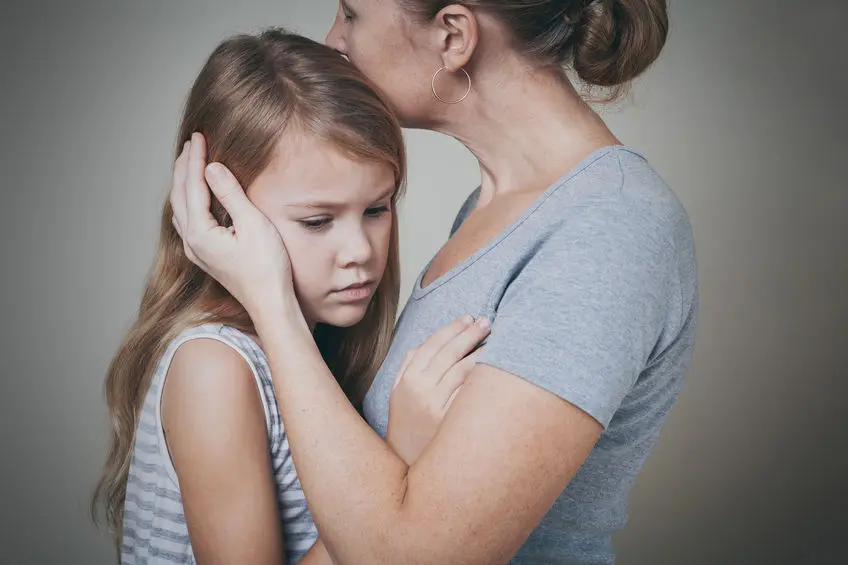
column 251, row 89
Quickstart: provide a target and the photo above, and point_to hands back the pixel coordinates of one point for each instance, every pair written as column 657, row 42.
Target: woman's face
column 396, row 53
column 335, row 216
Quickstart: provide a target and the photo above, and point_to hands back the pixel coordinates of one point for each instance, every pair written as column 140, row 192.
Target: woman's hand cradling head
column 249, row 258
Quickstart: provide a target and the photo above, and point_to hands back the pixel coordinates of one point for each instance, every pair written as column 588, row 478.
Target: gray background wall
column 744, row 115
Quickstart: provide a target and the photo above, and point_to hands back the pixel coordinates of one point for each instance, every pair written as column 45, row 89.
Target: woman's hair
column 251, row 90
column 608, row 43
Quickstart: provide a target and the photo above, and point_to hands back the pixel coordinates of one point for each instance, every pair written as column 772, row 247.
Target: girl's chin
column 343, row 316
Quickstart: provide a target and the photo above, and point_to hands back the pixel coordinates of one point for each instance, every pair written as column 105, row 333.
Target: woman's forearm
column 354, row 482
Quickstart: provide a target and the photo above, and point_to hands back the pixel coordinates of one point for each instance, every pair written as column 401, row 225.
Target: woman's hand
column 248, row 259
column 427, row 383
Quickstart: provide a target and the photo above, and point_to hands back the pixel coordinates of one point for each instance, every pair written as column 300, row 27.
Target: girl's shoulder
column 215, row 348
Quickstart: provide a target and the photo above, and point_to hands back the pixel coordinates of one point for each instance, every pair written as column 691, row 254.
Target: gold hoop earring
column 442, row 100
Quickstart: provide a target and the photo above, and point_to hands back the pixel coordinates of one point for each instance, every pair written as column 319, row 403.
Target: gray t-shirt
column 592, row 293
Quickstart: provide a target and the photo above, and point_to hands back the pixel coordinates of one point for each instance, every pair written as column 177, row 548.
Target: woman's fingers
column 197, row 197
column 455, row 378
column 230, row 194
column 409, row 355
column 457, row 348
column 177, row 196
column 433, row 344
column 452, row 397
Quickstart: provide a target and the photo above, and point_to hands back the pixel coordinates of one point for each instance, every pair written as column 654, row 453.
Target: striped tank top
column 155, row 529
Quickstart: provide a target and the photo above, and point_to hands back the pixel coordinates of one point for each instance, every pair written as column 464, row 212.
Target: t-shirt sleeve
column 583, row 314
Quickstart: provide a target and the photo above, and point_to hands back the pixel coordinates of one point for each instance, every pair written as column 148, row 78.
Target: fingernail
column 213, row 170
column 483, row 323
column 467, row 319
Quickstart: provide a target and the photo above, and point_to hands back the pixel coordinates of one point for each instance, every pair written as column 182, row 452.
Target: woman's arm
column 419, row 402
column 504, row 444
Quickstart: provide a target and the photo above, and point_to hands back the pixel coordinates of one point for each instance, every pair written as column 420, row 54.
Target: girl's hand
column 427, row 383
column 249, row 258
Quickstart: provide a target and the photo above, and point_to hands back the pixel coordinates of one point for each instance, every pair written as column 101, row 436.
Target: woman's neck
column 526, row 128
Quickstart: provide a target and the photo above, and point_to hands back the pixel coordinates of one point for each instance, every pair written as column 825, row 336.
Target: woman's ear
column 458, row 34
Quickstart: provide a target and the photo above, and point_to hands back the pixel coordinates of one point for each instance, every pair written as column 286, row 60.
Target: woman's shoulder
column 618, row 192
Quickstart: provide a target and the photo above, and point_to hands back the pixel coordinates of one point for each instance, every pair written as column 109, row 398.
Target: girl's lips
column 355, row 292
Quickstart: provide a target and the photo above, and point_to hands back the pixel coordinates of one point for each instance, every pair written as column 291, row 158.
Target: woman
column 572, row 246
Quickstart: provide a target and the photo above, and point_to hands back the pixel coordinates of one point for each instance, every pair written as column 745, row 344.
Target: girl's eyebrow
column 334, row 205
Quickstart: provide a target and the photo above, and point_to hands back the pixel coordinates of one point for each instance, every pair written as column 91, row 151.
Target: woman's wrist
column 288, row 341
column 280, row 315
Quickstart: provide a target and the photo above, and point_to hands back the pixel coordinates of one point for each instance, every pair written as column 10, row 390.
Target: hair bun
column 617, row 40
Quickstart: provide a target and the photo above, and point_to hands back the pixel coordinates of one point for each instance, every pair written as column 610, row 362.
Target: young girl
column 199, row 469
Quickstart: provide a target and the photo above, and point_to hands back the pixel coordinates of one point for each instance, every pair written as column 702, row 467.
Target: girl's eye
column 376, row 211
column 348, row 15
column 315, row 224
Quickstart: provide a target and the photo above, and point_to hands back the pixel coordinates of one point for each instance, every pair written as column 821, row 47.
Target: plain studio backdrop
column 744, row 115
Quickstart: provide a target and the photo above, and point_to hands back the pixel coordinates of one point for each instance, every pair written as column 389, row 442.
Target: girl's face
column 335, row 217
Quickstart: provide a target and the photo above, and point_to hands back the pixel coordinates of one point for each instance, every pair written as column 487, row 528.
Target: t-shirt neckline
column 419, row 292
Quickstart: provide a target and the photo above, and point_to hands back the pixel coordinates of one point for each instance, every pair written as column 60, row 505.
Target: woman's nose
column 335, row 37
